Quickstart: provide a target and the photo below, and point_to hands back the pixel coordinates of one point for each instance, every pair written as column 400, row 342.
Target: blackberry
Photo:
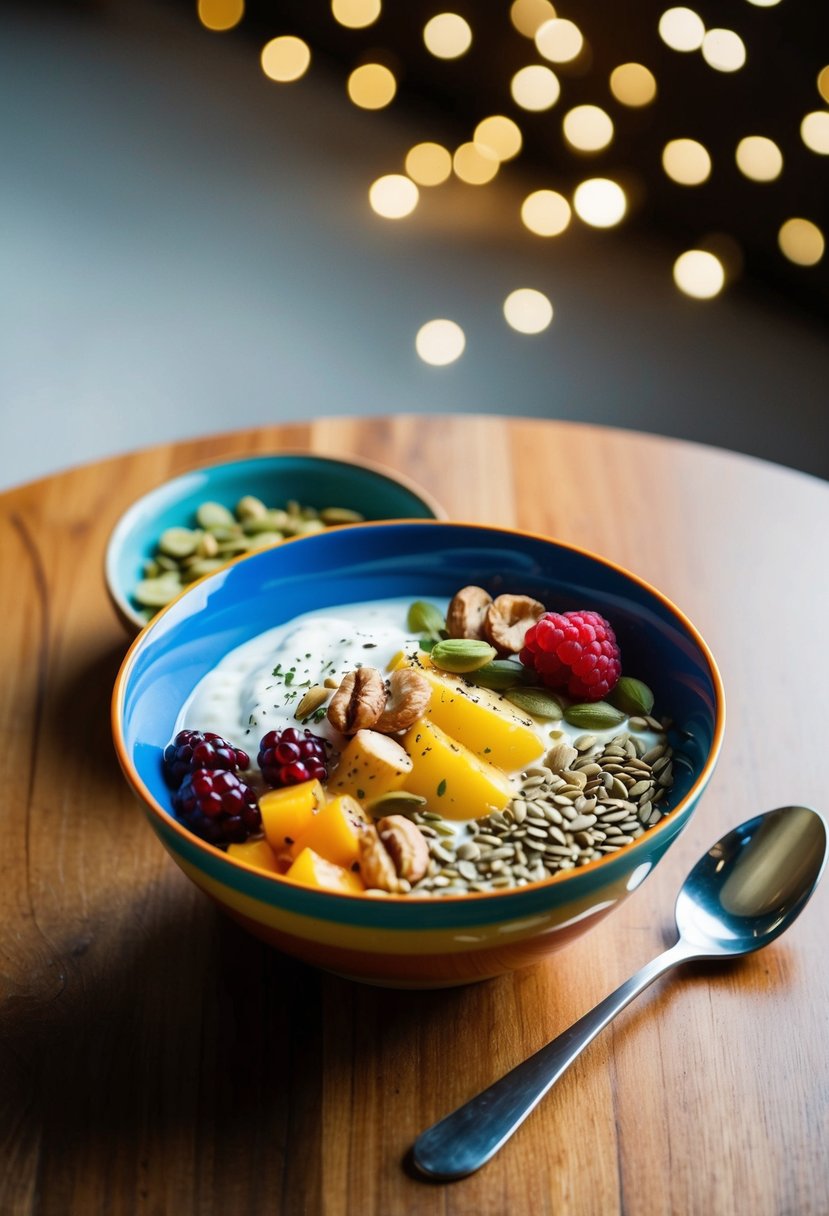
column 192, row 749
column 217, row 806
column 287, row 757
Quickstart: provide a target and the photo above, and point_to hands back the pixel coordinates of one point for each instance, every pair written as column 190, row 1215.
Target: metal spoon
column 741, row 895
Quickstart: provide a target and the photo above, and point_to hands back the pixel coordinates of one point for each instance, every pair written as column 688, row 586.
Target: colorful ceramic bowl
column 314, row 481
column 404, row 940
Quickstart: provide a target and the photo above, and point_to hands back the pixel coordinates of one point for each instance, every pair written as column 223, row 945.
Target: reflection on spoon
column 741, row 895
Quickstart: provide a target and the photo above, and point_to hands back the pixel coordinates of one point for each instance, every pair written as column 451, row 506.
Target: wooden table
column 154, row 1059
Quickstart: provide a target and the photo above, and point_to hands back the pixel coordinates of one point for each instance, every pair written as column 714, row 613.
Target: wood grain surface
column 155, row 1060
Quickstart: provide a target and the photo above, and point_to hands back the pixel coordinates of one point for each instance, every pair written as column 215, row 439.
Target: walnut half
column 358, row 702
column 466, row 613
column 507, row 620
column 393, row 856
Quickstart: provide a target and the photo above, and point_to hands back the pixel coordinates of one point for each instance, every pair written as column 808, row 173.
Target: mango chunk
column 455, row 783
column 486, row 723
column 370, row 764
column 255, row 853
column 334, row 831
column 287, row 813
column 311, row 870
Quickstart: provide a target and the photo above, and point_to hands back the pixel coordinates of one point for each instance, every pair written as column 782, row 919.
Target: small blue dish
column 412, row 940
column 276, row 478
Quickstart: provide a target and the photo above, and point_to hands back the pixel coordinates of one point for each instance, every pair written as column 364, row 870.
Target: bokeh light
column 499, row 135
column 429, row 164
column 393, row 196
column 474, row 164
column 355, row 14
column 823, row 82
column 699, row 274
column 686, row 162
column 764, row 3
column 545, row 212
column 681, row 29
column 633, row 84
column 285, row 58
column 447, row 36
column 440, row 342
column 220, row 15
column 535, row 87
column 723, row 50
column 588, row 128
column 801, row 241
column 814, row 131
column 371, row 86
column 527, row 310
column 528, row 15
column 600, row 202
column 759, row 158
column 559, row 40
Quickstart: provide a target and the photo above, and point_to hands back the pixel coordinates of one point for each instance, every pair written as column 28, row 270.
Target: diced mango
column 488, row 724
column 287, row 813
column 311, row 870
column 370, row 764
column 455, row 783
column 334, row 831
column 256, row 853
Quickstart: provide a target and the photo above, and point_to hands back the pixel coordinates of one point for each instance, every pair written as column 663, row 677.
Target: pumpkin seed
column 178, row 542
column 460, row 655
column 250, row 507
column 156, row 592
column 594, row 715
column 214, row 515
column 536, row 701
column 332, row 516
column 424, row 617
column 316, row 696
column 498, row 675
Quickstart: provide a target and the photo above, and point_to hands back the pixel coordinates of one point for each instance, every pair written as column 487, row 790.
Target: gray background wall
column 186, row 247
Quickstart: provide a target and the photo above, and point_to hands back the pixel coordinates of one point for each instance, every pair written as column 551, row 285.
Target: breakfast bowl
column 318, row 490
column 435, row 931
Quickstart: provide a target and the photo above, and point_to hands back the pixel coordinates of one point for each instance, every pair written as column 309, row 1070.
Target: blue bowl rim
column 168, row 821
column 126, row 520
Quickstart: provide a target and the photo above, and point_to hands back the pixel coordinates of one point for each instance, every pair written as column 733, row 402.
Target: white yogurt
column 257, row 687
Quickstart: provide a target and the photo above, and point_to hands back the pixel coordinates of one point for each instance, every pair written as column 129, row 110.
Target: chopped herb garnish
column 289, row 676
column 361, row 793
column 442, row 788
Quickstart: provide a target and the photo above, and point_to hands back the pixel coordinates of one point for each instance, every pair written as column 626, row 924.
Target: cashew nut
column 406, row 846
column 507, row 620
column 467, row 612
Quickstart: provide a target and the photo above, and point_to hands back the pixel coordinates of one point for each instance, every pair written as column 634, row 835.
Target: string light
column 528, row 15
column 723, row 50
column 527, row 310
column 474, row 164
column 371, row 86
column 814, row 131
column 633, row 84
column 428, row 164
column 699, row 274
column 220, row 15
column 499, row 135
column 559, row 40
column 285, row 59
column 545, row 213
column 681, row 29
column 535, row 87
column 600, row 202
column 440, row 342
column 801, row 242
column 686, row 162
column 393, row 196
column 588, row 128
column 355, row 14
column 759, row 158
column 447, row 36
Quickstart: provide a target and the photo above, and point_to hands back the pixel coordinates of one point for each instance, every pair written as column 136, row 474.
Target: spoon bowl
column 741, row 895
column 748, row 888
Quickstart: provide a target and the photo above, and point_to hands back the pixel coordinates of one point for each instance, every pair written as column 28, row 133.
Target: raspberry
column 575, row 652
column 218, row 806
column 289, row 756
column 192, row 749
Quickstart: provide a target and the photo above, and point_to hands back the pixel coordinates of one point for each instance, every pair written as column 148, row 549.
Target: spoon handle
column 467, row 1138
